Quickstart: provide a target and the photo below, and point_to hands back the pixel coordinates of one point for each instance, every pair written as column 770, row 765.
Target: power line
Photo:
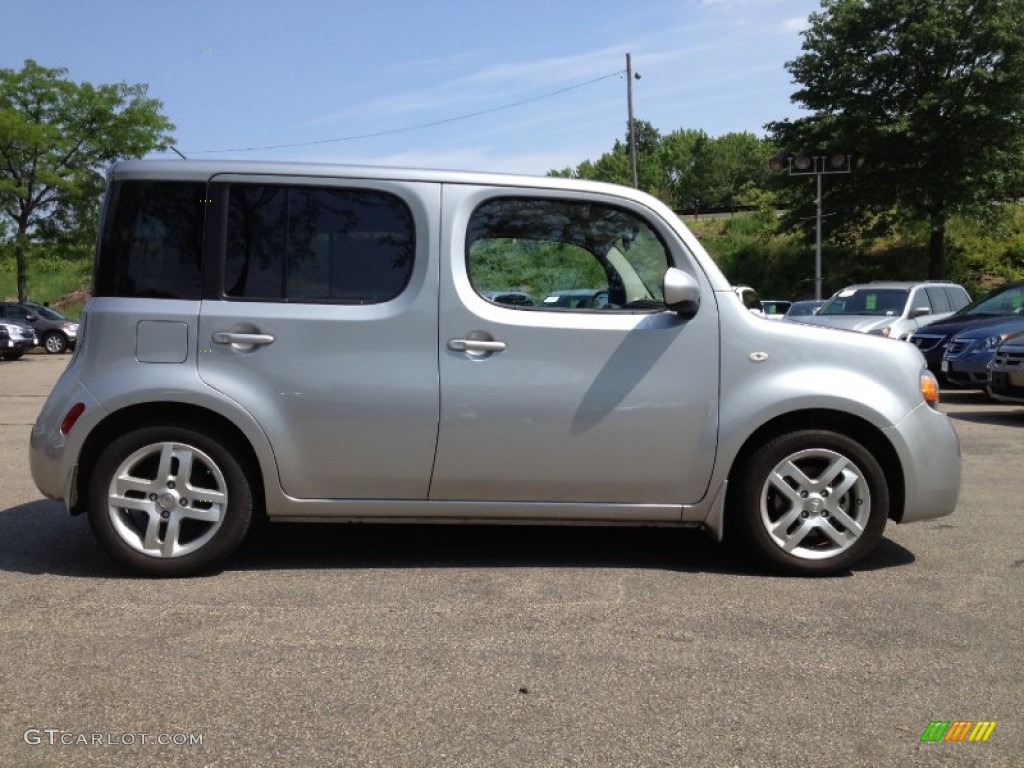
column 420, row 126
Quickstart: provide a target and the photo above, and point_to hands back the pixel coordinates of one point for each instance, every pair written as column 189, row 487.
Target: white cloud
column 795, row 24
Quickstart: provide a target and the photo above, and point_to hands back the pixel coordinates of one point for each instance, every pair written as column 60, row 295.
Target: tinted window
column 14, row 312
column 602, row 257
column 921, row 298
column 958, row 297
column 939, row 299
column 291, row 243
column 152, row 241
column 49, row 314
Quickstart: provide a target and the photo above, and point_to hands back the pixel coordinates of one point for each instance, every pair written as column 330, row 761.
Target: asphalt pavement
column 524, row 646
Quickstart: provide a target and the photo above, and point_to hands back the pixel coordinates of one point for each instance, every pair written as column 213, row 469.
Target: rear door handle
column 229, row 337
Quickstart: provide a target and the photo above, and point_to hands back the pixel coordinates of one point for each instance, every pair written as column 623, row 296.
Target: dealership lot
column 523, row 646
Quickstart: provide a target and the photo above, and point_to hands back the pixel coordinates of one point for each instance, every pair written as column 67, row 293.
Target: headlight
column 991, row 342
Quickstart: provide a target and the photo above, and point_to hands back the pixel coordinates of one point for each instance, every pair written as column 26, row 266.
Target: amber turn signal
column 930, row 388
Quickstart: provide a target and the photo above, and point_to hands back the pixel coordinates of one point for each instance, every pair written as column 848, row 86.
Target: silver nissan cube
column 331, row 343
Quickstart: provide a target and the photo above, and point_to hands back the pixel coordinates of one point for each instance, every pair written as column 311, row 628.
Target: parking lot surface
column 524, row 646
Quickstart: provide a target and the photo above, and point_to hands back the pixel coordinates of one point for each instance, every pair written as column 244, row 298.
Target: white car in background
column 891, row 309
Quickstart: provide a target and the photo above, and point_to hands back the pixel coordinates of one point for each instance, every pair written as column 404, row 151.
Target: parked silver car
column 889, row 308
column 312, row 342
column 1006, row 371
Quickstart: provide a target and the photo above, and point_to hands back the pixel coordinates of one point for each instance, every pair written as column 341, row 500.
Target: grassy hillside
column 751, row 249
column 62, row 283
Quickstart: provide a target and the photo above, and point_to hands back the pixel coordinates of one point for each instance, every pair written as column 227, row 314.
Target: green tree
column 734, row 162
column 56, row 137
column 930, row 93
column 680, row 152
column 614, row 166
column 686, row 168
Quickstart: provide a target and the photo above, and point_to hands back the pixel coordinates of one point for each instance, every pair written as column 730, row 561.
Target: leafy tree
column 686, row 168
column 681, row 151
column 615, row 167
column 734, row 161
column 56, row 136
column 930, row 93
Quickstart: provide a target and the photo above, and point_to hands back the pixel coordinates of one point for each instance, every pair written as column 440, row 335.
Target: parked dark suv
column 991, row 309
column 55, row 332
column 15, row 340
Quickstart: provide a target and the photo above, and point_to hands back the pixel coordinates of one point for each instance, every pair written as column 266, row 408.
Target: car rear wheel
column 55, row 343
column 812, row 502
column 12, row 355
column 169, row 501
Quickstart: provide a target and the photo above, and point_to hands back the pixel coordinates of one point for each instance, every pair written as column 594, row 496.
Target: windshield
column 46, row 312
column 867, row 301
column 1008, row 301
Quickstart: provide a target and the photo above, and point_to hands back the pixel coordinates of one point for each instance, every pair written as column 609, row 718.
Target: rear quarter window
column 152, row 240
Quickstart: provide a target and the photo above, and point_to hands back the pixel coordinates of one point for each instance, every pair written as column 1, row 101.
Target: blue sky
column 396, row 81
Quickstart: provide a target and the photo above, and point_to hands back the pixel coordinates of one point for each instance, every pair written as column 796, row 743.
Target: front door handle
column 476, row 345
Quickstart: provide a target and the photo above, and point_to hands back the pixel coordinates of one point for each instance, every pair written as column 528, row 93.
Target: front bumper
column 17, row 345
column 929, row 450
column 1007, row 386
column 969, row 370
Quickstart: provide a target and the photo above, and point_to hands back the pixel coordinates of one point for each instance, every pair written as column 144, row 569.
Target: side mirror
column 919, row 311
column 30, row 317
column 682, row 292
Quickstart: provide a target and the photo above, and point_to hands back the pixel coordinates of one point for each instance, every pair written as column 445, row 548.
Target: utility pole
column 632, row 129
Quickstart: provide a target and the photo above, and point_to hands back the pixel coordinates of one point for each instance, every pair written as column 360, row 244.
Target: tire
column 812, row 503
column 13, row 355
column 155, row 520
column 55, row 343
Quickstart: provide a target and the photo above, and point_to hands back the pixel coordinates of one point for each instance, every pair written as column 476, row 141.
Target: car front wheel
column 169, row 501
column 811, row 502
column 55, row 343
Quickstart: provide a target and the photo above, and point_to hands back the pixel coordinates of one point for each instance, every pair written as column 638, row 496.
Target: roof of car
column 897, row 284
column 203, row 170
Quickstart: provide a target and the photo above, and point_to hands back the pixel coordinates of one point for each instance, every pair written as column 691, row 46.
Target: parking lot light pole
column 816, row 164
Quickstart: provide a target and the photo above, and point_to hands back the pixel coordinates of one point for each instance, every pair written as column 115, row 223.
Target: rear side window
column 565, row 255
column 152, row 241
column 938, row 298
column 296, row 243
column 958, row 297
